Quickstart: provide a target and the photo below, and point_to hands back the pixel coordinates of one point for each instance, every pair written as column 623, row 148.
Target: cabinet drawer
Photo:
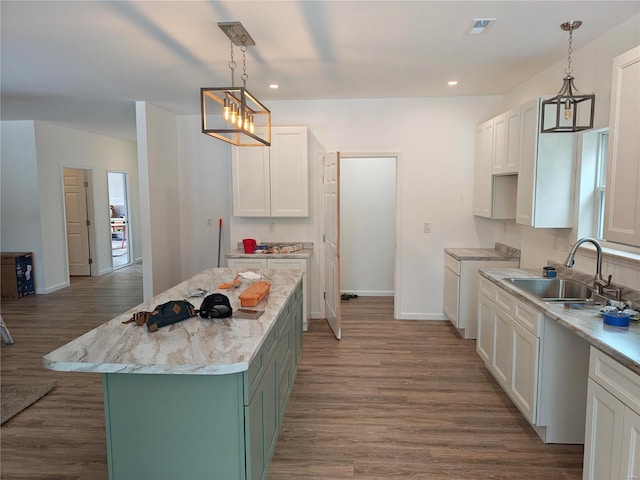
column 486, row 288
column 528, row 317
column 616, row 378
column 296, row 263
column 503, row 300
column 452, row 264
column 247, row 262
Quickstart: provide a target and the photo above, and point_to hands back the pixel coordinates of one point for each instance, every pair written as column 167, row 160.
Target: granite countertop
column 195, row 346
column 304, row 253
column 499, row 252
column 621, row 343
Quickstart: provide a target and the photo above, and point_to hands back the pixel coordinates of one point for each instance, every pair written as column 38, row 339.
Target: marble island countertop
column 621, row 343
column 194, row 346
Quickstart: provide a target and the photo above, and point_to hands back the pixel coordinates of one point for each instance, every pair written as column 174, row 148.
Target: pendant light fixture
column 569, row 110
column 232, row 114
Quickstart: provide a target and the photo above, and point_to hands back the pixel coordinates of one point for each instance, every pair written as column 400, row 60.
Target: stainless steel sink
column 558, row 290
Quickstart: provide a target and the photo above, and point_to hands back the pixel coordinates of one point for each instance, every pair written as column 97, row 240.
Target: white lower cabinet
column 537, row 362
column 612, row 433
column 461, row 290
column 295, row 263
column 484, row 340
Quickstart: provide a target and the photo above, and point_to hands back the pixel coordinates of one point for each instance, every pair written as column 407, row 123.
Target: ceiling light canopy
column 569, row 110
column 233, row 114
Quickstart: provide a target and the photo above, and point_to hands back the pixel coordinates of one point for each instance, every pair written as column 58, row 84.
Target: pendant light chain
column 232, row 65
column 569, row 69
column 244, row 60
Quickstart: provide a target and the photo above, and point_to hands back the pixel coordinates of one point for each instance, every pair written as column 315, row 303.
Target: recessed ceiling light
column 479, row 26
column 274, row 86
column 451, row 83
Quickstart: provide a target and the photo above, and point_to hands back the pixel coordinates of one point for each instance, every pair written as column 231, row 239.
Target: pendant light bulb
column 233, row 114
column 239, row 123
column 252, row 126
column 567, row 109
column 226, row 109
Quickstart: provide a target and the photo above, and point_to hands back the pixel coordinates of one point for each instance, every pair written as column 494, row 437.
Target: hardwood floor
column 405, row 399
column 392, row 399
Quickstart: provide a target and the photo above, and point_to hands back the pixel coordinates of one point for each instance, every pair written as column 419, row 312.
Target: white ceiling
column 84, row 63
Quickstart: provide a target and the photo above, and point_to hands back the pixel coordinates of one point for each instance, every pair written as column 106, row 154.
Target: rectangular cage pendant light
column 232, row 114
column 235, row 116
column 569, row 111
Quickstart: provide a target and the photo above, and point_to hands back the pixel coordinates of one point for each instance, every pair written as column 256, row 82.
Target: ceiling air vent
column 480, row 26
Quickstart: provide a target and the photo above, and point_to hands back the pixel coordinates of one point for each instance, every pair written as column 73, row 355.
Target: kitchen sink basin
column 558, row 290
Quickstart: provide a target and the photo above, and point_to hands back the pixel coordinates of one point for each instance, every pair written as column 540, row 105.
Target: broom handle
column 219, row 239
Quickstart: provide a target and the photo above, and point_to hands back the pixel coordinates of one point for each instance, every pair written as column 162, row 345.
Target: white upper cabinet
column 506, row 143
column 622, row 215
column 482, row 181
column 546, row 174
column 273, row 181
column 493, row 195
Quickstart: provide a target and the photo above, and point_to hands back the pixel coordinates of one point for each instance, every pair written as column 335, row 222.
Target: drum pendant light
column 233, row 114
column 569, row 110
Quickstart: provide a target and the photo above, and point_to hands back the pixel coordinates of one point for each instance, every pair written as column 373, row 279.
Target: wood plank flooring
column 392, row 399
column 405, row 399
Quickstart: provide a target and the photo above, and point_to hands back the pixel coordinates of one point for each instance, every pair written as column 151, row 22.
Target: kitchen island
column 200, row 399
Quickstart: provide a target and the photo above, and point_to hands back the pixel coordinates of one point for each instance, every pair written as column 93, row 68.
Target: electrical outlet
column 271, row 228
column 427, row 228
column 209, row 222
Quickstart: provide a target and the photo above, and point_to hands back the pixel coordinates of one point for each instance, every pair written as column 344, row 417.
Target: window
column 600, row 183
column 592, row 184
column 591, row 194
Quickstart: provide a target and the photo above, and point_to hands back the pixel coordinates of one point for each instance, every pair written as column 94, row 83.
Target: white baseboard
column 44, row 291
column 369, row 293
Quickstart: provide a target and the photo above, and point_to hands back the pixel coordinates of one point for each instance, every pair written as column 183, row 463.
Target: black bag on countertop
column 165, row 314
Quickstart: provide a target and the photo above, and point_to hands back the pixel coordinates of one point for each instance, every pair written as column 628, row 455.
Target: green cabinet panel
column 165, row 427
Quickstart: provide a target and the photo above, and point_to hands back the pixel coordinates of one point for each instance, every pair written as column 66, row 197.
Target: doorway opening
column 367, row 226
column 117, row 183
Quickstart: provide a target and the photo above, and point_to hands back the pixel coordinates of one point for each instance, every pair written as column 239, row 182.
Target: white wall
column 205, row 194
column 367, row 225
column 19, row 198
column 159, row 198
column 435, row 140
column 56, row 147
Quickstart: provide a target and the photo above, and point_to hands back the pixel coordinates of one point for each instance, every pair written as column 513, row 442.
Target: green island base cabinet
column 201, row 421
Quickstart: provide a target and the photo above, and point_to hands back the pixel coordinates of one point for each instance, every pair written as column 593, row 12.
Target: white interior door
column 331, row 192
column 75, row 204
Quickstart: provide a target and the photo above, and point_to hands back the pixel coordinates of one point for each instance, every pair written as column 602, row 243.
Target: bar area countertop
column 499, row 252
column 195, row 346
column 304, row 253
